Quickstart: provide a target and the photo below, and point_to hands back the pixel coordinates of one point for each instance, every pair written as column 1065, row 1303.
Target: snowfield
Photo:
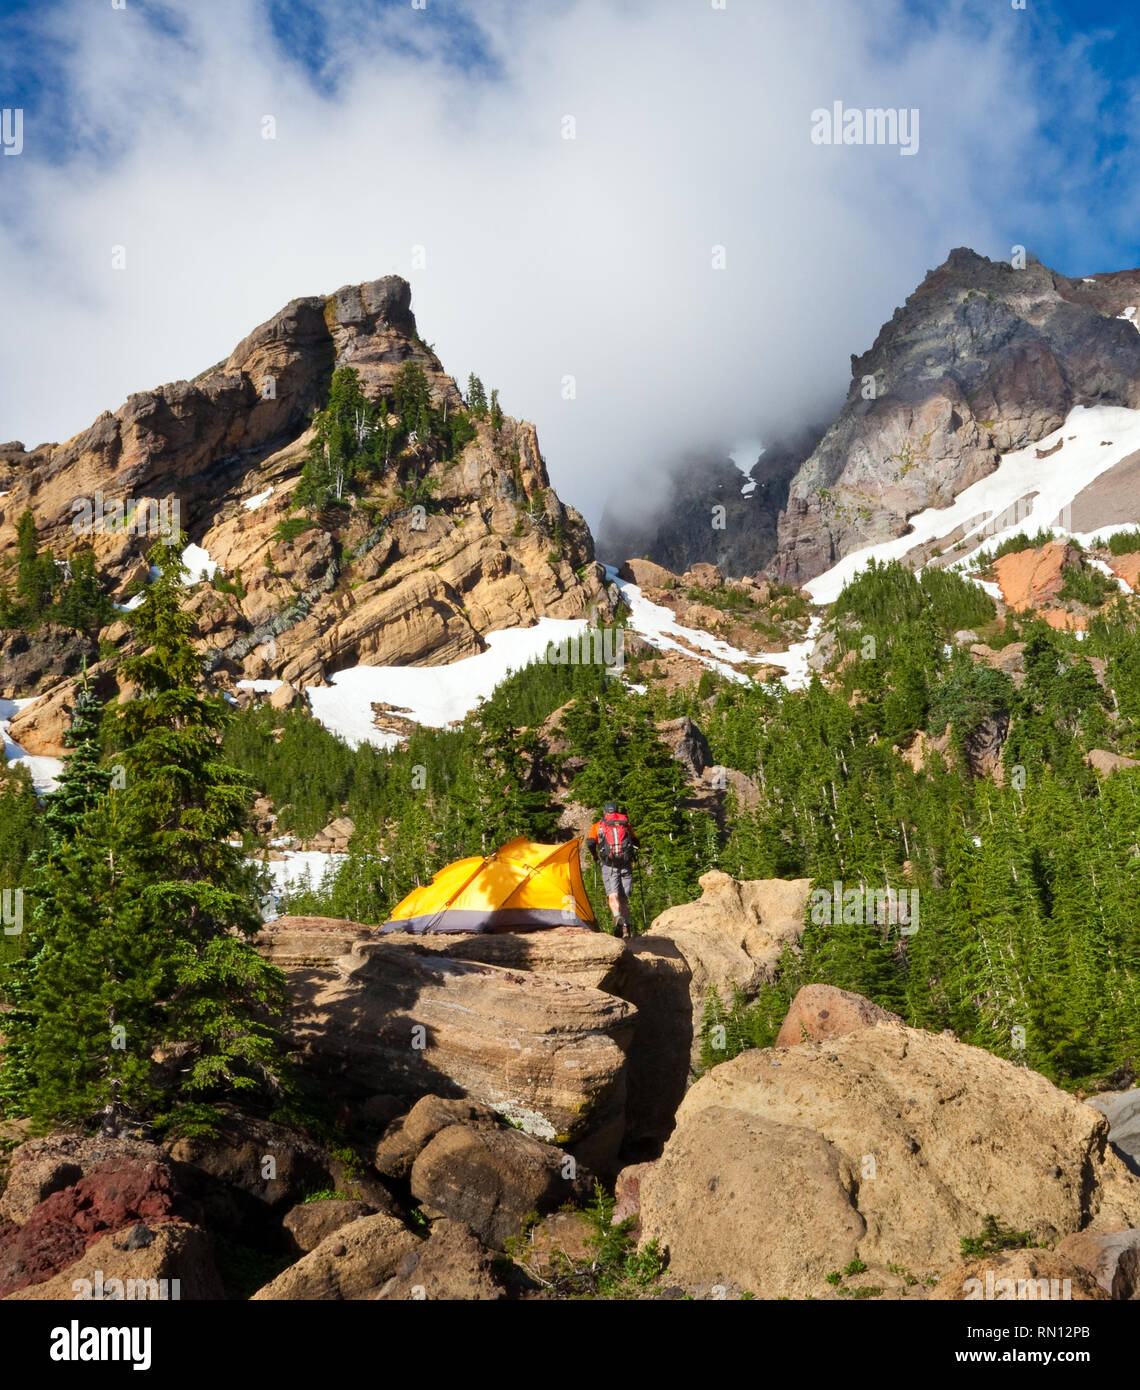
column 1056, row 480
column 45, row 772
column 431, row 695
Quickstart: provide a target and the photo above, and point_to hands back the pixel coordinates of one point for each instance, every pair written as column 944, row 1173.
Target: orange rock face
column 1126, row 567
column 1031, row 578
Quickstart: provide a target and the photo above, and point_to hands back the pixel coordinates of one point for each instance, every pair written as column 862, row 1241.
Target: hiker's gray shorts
column 617, row 880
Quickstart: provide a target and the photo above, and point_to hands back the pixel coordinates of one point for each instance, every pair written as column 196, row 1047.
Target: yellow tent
column 519, row 887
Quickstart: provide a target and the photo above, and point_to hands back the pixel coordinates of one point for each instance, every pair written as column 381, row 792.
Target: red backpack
column 615, row 841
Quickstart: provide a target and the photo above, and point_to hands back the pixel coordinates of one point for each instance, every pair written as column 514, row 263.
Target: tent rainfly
column 520, row 887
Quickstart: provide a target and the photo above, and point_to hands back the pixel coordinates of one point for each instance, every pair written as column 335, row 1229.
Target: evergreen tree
column 145, row 907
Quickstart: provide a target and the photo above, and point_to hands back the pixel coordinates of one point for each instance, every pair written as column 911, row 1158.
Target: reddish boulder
column 822, row 1011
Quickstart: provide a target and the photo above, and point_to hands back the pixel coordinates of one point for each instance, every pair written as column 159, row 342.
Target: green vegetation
column 1013, row 545
column 615, row 1270
column 72, row 594
column 995, row 1237
column 1124, row 543
column 1087, row 586
column 138, row 996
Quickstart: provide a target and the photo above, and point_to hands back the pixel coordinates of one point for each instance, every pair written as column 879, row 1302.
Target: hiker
column 613, row 844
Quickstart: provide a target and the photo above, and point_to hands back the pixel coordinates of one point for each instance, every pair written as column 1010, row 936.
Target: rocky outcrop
column 388, row 584
column 405, row 1020
column 902, row 1142
column 731, row 938
column 983, row 358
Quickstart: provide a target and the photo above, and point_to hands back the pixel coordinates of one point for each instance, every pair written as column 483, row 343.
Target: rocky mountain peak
column 439, row 544
column 984, row 357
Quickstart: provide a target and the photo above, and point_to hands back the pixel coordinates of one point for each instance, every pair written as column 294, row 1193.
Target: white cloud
column 545, row 257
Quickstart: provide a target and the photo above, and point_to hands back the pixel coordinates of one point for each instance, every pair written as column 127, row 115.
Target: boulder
column 731, row 938
column 738, row 1197
column 335, row 837
column 404, row 1141
column 284, row 697
column 1122, row 1111
column 819, row 1012
column 1024, row 1275
column 309, row 1223
column 351, row 1264
column 405, row 1020
column 703, row 574
column 1112, row 1258
column 908, row 1140
column 452, row 1264
column 492, row 1180
column 39, row 1167
column 648, row 575
column 167, row 1262
column 91, row 1192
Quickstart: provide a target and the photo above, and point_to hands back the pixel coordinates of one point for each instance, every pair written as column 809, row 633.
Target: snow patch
column 266, row 687
column 251, row 504
column 199, row 564
column 657, row 625
column 1130, row 315
column 1057, row 480
column 45, row 772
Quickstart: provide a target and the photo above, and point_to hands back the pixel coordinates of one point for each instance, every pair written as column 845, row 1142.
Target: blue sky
column 403, row 134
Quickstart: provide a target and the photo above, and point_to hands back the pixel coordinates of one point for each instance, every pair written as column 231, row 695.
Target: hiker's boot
column 622, row 930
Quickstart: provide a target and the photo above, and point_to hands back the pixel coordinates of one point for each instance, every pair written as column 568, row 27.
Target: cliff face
column 496, row 548
column 982, row 358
